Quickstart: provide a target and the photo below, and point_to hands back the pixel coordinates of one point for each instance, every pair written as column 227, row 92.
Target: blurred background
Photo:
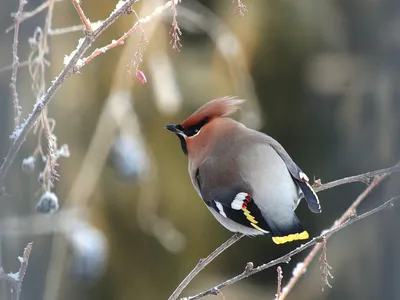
column 321, row 77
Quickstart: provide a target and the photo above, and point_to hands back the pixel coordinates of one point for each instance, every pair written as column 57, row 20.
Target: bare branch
column 85, row 21
column 16, row 279
column 30, row 14
column 70, row 29
column 175, row 31
column 122, row 39
column 22, row 270
column 203, row 263
column 240, row 9
column 347, row 214
column 356, row 178
column 325, row 267
column 15, row 64
column 286, row 258
column 73, row 65
column 10, row 67
column 279, row 279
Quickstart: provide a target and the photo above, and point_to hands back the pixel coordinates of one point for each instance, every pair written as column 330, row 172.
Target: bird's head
column 192, row 128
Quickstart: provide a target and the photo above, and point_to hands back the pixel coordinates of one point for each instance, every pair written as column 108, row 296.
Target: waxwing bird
column 245, row 177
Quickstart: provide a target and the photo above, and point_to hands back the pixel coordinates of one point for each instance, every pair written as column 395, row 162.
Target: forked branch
column 320, row 187
column 73, row 64
column 286, row 258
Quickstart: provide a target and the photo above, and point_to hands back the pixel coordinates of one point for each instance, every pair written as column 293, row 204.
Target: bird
column 246, row 178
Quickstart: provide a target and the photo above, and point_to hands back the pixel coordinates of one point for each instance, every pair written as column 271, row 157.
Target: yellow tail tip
column 291, row 237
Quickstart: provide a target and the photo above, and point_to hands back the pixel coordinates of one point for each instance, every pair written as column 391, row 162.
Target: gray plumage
column 246, row 178
column 255, row 166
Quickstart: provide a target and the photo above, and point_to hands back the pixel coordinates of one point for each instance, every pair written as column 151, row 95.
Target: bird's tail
column 283, row 232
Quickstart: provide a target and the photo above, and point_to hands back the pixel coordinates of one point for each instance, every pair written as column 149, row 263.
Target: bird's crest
column 216, row 108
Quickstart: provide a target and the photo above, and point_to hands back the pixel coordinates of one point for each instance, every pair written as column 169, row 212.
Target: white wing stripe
column 237, row 203
column 220, row 208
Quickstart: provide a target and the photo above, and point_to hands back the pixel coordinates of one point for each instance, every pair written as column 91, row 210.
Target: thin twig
column 115, row 115
column 175, row 31
column 71, row 29
column 10, row 67
column 279, row 280
column 22, row 270
column 203, row 263
column 240, row 9
column 349, row 212
column 122, row 39
column 357, row 178
column 29, row 14
column 325, row 267
column 19, row 135
column 15, row 64
column 85, row 21
column 16, row 279
column 286, row 258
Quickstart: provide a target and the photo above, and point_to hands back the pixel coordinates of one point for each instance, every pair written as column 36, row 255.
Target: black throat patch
column 183, row 144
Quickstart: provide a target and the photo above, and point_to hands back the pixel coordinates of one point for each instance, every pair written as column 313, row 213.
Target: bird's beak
column 173, row 128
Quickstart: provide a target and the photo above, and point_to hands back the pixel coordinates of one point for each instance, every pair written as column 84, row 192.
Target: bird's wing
column 298, row 175
column 228, row 194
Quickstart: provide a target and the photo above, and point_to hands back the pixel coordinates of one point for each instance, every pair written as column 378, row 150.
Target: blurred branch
column 203, row 263
column 27, row 15
column 175, row 31
column 231, row 50
column 73, row 64
column 349, row 212
column 16, row 279
column 15, row 64
column 116, row 112
column 240, row 8
column 286, row 258
column 10, row 67
column 70, row 29
column 21, row 226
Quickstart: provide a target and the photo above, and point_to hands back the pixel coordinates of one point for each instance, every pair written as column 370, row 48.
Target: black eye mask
column 193, row 130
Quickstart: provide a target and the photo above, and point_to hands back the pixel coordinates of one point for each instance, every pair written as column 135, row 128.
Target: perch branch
column 286, row 258
column 348, row 213
column 203, row 263
column 357, row 178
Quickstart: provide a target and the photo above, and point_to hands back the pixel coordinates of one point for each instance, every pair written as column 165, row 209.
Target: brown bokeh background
column 322, row 77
